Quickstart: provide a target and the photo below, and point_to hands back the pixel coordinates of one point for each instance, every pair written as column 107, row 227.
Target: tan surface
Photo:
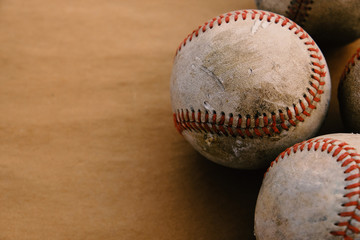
column 87, row 143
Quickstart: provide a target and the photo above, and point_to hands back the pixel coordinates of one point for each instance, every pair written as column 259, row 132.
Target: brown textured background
column 87, row 144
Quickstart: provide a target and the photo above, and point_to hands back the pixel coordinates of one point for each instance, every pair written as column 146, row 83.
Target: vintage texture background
column 87, row 144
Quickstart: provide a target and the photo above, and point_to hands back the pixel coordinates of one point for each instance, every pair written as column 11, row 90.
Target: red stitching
column 229, row 127
column 286, row 20
column 283, row 120
column 292, row 122
column 273, row 125
column 248, row 124
column 223, row 126
column 244, row 14
column 340, row 150
column 303, row 107
column 271, row 15
column 318, row 65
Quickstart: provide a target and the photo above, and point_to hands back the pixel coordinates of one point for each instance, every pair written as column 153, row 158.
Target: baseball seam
column 262, row 124
column 298, row 10
column 350, row 64
column 349, row 159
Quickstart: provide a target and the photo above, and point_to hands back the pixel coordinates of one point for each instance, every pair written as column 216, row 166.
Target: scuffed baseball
column 328, row 22
column 311, row 191
column 246, row 85
column 349, row 94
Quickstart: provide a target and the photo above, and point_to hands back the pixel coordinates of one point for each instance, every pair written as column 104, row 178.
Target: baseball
column 348, row 94
column 330, row 22
column 311, row 191
column 246, row 85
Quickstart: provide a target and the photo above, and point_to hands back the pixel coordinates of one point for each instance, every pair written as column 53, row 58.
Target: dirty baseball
column 246, row 85
column 311, row 191
column 348, row 94
column 328, row 22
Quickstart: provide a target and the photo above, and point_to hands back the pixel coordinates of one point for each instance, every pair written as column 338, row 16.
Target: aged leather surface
column 256, row 70
column 308, row 192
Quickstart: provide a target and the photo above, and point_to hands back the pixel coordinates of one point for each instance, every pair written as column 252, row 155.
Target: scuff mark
column 265, row 24
column 255, row 27
column 208, row 107
column 257, row 24
column 209, row 139
column 213, row 76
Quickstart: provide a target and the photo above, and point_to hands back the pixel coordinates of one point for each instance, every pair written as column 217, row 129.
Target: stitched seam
column 262, row 124
column 298, row 10
column 350, row 64
column 347, row 156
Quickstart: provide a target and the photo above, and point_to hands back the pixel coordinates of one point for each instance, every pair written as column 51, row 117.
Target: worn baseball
column 311, row 191
column 246, row 85
column 349, row 94
column 327, row 21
